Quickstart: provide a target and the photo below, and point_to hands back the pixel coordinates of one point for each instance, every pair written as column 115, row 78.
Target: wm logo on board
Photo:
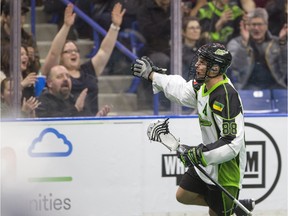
column 172, row 167
column 254, row 172
column 255, row 167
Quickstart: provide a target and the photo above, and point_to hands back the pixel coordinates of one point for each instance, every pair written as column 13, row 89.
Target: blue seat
column 257, row 101
column 280, row 100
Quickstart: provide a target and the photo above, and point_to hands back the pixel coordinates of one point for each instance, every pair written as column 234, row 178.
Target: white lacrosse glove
column 159, row 132
column 144, row 67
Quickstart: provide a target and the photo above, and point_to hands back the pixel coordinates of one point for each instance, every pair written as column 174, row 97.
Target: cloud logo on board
column 50, row 143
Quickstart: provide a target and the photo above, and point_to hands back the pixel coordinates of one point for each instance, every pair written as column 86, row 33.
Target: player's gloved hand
column 154, row 67
column 195, row 155
column 143, row 68
column 190, row 155
column 182, row 154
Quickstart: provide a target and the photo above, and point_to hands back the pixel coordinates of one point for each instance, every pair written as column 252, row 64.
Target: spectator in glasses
column 259, row 58
column 83, row 75
column 192, row 40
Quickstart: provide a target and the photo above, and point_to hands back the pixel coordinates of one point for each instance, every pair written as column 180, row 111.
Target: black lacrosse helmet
column 213, row 53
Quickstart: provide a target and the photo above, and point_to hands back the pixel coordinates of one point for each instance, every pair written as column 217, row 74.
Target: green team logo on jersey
column 218, row 106
column 221, row 52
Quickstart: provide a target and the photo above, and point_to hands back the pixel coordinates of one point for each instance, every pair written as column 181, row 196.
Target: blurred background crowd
column 86, row 75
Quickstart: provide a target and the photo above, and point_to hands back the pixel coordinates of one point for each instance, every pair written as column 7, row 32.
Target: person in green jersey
column 222, row 152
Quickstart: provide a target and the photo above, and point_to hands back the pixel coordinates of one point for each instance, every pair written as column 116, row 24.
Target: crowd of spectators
column 259, row 58
column 29, row 66
column 254, row 31
column 67, row 53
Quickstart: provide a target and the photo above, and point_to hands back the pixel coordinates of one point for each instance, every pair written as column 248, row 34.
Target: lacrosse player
column 222, row 154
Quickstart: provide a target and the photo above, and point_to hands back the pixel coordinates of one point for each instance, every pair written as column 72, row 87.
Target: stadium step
column 118, row 102
column 114, row 83
column 40, row 16
column 43, row 31
column 112, row 91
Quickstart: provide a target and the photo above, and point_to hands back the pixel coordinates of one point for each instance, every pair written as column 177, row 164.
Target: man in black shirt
column 58, row 101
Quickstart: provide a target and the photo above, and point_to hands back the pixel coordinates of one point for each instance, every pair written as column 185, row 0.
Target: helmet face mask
column 217, row 59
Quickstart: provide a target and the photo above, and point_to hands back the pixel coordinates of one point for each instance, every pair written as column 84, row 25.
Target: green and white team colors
column 221, row 121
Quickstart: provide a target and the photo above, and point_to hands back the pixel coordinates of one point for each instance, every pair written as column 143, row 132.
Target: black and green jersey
column 221, row 121
column 209, row 16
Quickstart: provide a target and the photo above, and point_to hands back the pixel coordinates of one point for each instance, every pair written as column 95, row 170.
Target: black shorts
column 218, row 201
